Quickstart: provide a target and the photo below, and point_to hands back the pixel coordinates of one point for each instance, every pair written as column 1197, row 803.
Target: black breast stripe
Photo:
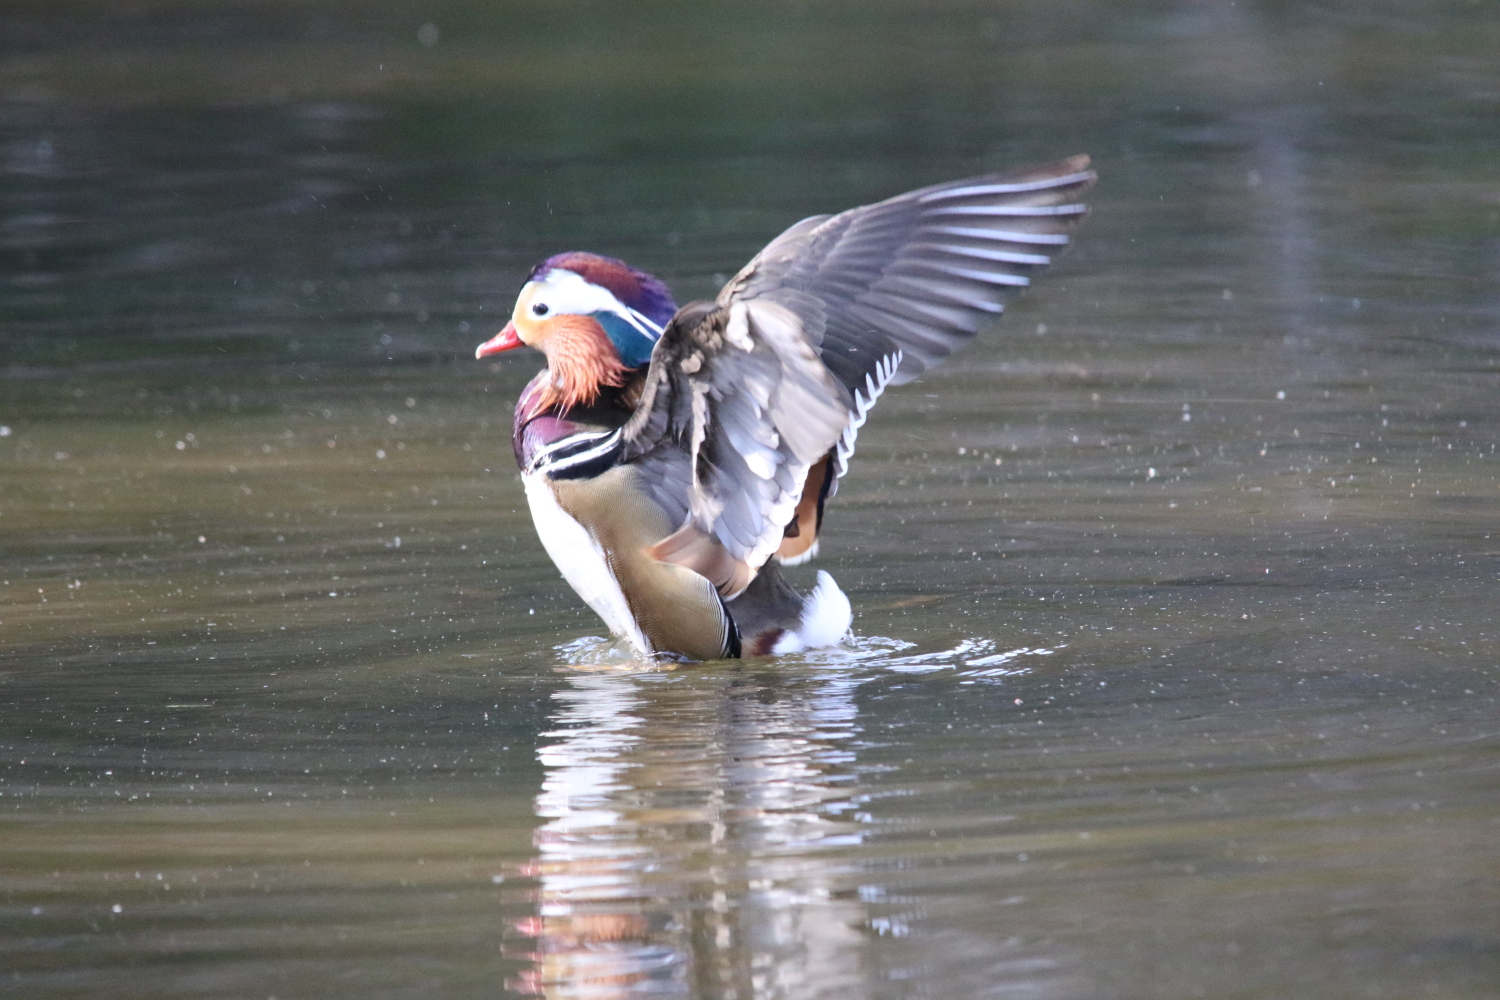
column 581, row 456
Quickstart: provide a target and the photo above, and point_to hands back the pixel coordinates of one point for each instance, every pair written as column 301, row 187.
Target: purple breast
column 539, row 428
column 534, row 428
column 538, row 433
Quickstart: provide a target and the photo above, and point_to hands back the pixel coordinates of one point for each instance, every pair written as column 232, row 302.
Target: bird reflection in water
column 697, row 829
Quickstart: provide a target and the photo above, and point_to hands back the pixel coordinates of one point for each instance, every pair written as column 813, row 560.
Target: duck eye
column 539, row 309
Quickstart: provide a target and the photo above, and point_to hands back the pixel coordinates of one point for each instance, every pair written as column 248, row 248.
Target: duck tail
column 773, row 618
column 824, row 621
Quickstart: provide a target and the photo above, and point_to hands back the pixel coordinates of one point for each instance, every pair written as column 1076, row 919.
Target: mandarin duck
column 673, row 458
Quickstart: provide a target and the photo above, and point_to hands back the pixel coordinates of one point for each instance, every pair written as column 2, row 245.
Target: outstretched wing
column 916, row 274
column 773, row 379
column 736, row 408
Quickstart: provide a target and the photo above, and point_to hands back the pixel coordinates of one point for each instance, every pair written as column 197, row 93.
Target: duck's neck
column 542, row 424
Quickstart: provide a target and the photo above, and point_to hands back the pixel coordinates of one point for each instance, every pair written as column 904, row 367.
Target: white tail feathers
column 826, row 617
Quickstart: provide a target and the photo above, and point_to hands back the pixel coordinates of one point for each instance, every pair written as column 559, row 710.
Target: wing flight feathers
column 920, row 272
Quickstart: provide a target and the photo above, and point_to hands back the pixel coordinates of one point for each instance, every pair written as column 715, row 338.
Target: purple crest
column 645, row 293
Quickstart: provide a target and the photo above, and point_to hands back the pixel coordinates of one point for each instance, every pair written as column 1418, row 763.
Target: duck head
column 595, row 318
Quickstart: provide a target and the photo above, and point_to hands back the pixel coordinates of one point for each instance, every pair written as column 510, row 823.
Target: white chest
column 581, row 559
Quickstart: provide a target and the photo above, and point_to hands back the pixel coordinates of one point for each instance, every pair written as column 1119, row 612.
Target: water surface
column 1175, row 658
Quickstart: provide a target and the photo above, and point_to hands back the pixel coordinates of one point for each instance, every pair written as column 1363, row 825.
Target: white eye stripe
column 568, row 292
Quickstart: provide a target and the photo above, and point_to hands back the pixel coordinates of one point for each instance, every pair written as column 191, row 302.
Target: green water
column 1177, row 594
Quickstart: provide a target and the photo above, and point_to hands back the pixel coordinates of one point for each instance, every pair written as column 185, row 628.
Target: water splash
column 975, row 658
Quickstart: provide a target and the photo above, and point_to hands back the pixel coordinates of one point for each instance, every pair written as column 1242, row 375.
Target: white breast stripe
column 544, row 462
column 864, row 400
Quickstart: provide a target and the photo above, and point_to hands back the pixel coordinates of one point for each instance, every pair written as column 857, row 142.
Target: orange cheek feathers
column 580, row 356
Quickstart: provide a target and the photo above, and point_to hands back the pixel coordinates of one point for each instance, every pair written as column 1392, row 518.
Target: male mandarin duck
column 672, row 458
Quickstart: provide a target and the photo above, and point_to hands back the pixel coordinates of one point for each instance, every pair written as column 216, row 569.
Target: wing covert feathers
column 740, row 396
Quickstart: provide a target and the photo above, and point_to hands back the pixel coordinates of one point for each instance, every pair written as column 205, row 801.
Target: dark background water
column 1176, row 593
